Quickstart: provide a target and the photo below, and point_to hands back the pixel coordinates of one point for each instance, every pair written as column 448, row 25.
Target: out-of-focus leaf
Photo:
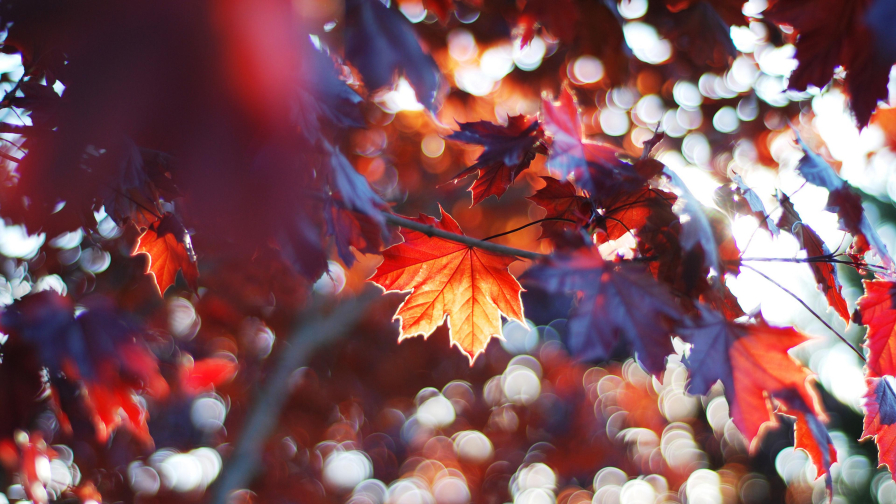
column 616, row 301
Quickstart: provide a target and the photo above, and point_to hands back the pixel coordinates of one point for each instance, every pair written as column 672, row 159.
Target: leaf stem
column 806, row 306
column 462, row 239
column 539, row 221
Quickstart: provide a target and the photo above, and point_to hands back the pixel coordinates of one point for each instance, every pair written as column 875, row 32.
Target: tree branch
column 462, row 239
column 806, row 306
column 539, row 221
column 315, row 332
column 10, row 157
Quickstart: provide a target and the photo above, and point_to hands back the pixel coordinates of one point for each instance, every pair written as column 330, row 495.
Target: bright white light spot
column 519, row 338
column 432, row 145
column 68, row 240
column 778, row 61
column 771, row 90
column 51, row 282
column 646, row 43
column 451, row 490
column 143, row 479
column 401, row 98
column 686, row 94
column 16, row 242
column 343, row 470
column 474, row 80
column 704, row 486
column 696, row 149
column 689, row 119
column 497, row 61
column 588, row 69
column 622, row 97
column 414, row 11
column 208, row 413
column 614, row 122
column 331, row 282
column 748, row 109
column 184, row 472
column 744, row 39
column 95, row 260
column 632, row 9
column 671, row 125
column 461, row 45
column 409, row 491
column 182, row 318
column 637, row 492
column 755, row 7
column 436, row 412
column 473, row 447
column 529, row 58
column 650, row 109
column 537, row 475
column 521, row 385
column 725, row 120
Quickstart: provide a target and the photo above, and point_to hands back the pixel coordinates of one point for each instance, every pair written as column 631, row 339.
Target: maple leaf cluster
column 211, row 189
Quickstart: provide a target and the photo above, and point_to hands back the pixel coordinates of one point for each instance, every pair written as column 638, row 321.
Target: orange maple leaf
column 471, row 287
column 168, row 248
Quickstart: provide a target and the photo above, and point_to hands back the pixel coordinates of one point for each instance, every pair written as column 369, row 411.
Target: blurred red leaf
column 206, row 374
column 752, row 363
column 830, row 34
column 616, row 300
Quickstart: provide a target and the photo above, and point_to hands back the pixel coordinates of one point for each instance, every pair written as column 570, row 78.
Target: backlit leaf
column 470, row 287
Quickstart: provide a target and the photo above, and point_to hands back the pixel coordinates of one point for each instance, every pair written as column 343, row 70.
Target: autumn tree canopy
column 447, row 251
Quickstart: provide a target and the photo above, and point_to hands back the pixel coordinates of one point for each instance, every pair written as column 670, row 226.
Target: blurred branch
column 315, row 330
column 462, row 239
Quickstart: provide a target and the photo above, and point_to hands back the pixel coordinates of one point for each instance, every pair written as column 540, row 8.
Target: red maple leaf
column 876, row 310
column 830, row 34
column 880, row 419
column 809, row 434
column 615, row 300
column 752, row 363
column 469, row 286
column 825, row 272
column 508, row 151
column 561, row 201
column 167, row 246
column 626, row 211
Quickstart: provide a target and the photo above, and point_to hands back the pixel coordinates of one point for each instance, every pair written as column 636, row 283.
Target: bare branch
column 316, row 331
column 462, row 239
column 806, row 306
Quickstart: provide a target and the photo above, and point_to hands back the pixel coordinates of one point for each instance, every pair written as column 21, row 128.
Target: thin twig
column 539, row 221
column 462, row 239
column 242, row 464
column 10, row 157
column 823, row 321
column 813, row 259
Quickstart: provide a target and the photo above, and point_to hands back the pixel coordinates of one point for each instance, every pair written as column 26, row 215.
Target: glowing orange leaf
column 167, row 245
column 471, row 287
column 877, row 312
